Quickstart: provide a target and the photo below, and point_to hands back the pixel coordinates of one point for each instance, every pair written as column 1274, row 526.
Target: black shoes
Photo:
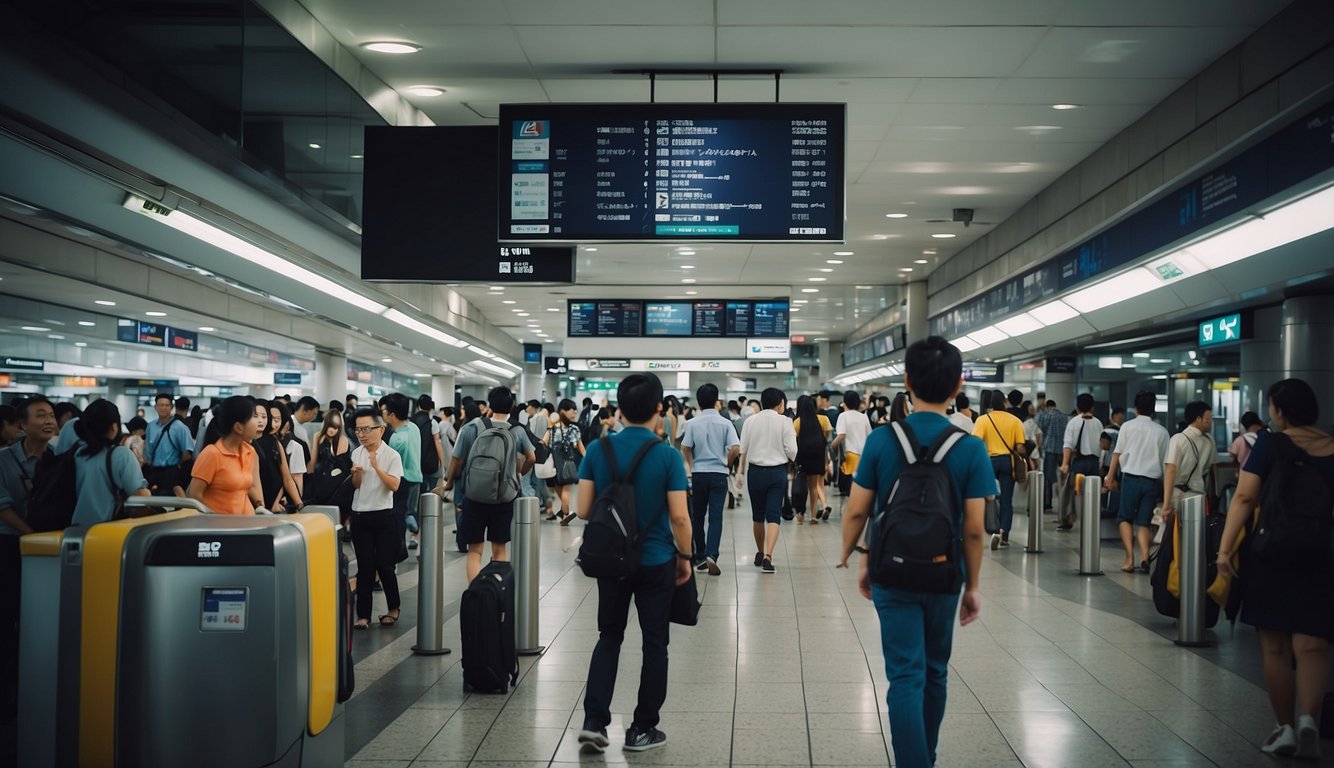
column 640, row 741
column 759, row 559
column 593, row 741
column 767, row 565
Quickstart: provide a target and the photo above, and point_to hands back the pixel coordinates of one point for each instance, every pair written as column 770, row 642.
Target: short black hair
column 500, row 399
column 707, row 395
column 447, row 411
column 1195, row 409
column 66, row 409
column 368, row 413
column 961, row 402
column 307, row 403
column 1122, row 411
column 425, row 403
column 1250, row 419
column 1051, row 404
column 638, row 396
column 1146, row 403
column 771, row 397
column 169, row 397
column 138, row 423
column 1015, row 397
column 9, row 414
column 851, row 399
column 25, row 405
column 588, row 401
column 1295, row 399
column 934, row 368
column 534, row 403
column 1084, row 402
column 352, row 398
column 336, row 405
column 998, row 401
column 396, row 403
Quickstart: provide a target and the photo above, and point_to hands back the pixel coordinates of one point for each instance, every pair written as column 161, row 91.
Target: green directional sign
column 1221, row 330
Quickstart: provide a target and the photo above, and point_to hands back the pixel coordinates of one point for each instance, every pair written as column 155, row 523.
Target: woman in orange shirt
column 225, row 477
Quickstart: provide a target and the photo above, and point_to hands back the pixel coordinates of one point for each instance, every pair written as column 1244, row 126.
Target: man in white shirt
column 1140, row 450
column 852, row 430
column 307, row 408
column 963, row 413
column 768, row 445
column 377, row 471
column 1190, row 455
column 1080, row 454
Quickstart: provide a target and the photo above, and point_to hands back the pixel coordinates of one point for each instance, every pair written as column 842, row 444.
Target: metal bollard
column 431, row 581
column 1193, row 552
column 1036, row 489
column 1088, row 492
column 526, row 557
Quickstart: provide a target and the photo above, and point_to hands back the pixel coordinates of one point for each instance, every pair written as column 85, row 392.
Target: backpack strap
column 639, row 456
column 605, row 442
column 907, row 441
column 947, row 439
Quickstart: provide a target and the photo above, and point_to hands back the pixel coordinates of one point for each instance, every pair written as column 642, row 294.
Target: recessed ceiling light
column 55, row 336
column 943, row 235
column 386, row 46
column 692, row 293
column 810, row 290
column 896, row 215
column 523, row 314
column 36, row 328
column 817, row 279
column 357, row 156
column 794, row 309
column 313, row 145
column 80, row 343
column 590, row 250
column 428, row 91
column 687, row 266
column 687, row 280
column 905, row 269
column 156, row 314
column 842, row 253
column 919, row 261
column 207, row 328
column 497, row 287
column 686, row 252
column 801, row 301
column 553, row 309
column 509, row 301
column 826, row 269
column 833, row 261
column 863, row 287
column 386, row 359
column 1064, row 107
column 104, row 302
column 517, row 309
column 87, row 323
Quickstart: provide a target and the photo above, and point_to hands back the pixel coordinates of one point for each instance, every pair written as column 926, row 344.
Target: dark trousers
column 1005, row 477
column 651, row 587
column 1051, row 467
column 11, row 570
column 710, row 492
column 376, row 537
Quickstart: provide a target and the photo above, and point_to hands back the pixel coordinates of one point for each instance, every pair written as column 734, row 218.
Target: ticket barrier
column 185, row 638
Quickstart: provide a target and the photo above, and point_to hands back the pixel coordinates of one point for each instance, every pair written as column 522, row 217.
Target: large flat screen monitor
column 734, row 318
column 650, row 172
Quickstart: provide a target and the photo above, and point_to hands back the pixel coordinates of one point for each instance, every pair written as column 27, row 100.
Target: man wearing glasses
column 377, row 471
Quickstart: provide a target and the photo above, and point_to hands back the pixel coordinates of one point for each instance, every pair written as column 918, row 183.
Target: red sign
column 798, row 339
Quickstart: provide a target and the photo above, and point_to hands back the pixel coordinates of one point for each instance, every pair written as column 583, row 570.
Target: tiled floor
column 786, row 669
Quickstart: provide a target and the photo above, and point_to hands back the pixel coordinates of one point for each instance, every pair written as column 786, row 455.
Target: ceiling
column 949, row 106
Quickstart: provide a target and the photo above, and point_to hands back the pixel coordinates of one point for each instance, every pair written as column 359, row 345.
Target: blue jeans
column 916, row 636
column 710, row 492
column 766, row 487
column 1004, row 474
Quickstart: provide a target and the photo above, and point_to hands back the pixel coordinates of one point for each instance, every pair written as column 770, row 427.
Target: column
column 330, row 377
column 1261, row 360
column 831, row 359
column 551, row 389
column 530, row 384
column 442, row 390
column 1061, row 388
column 919, row 325
column 1307, row 349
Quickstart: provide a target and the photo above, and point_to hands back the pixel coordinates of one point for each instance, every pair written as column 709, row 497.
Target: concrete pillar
column 918, row 322
column 530, row 383
column 442, row 390
column 831, row 359
column 1261, row 360
column 330, row 377
column 124, row 403
column 1061, row 388
column 551, row 389
column 260, row 391
column 1307, row 349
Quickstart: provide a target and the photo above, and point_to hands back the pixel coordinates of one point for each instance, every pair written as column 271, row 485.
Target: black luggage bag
column 486, row 616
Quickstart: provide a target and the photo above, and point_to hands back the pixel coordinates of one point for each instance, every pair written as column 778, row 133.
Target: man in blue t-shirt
column 917, row 628
column 664, row 522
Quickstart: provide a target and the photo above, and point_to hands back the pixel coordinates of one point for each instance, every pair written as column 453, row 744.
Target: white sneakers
column 1302, row 743
column 1282, row 742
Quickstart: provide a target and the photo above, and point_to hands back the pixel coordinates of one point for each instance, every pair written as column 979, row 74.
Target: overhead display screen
column 767, row 318
column 668, row 319
column 646, row 172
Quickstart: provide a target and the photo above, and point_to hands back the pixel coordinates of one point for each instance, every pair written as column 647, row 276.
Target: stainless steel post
column 1088, row 497
column 1192, row 553
column 1036, row 489
column 526, row 556
column 431, row 580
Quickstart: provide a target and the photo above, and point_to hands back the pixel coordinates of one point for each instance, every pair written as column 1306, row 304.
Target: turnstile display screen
column 224, row 609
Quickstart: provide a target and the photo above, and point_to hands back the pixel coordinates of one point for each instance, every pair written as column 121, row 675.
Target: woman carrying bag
column 566, row 452
column 104, row 472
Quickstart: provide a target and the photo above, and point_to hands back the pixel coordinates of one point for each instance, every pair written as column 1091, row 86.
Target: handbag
column 1018, row 465
column 566, row 465
column 545, row 470
column 685, row 603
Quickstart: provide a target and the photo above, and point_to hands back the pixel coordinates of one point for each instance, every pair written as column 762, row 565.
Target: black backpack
column 430, row 461
column 612, row 539
column 486, row 622
column 916, row 542
column 1295, row 508
column 52, row 499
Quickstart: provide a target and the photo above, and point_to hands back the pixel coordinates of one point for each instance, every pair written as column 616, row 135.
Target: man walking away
column 917, row 628
column 768, row 445
column 1141, row 448
column 432, row 443
column 664, row 564
column 851, row 430
column 963, row 414
column 709, row 446
column 1051, row 424
column 406, row 439
column 1004, row 436
column 1080, row 454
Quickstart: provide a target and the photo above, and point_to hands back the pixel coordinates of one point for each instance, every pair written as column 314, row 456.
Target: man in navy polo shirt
column 917, row 628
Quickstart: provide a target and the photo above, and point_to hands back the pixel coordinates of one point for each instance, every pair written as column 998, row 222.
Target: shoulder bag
column 1018, row 466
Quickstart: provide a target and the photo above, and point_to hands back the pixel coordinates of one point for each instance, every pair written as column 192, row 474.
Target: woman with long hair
column 274, row 475
column 330, row 442
column 900, row 408
column 104, row 471
column 813, row 430
column 563, row 437
column 1287, row 598
column 225, row 476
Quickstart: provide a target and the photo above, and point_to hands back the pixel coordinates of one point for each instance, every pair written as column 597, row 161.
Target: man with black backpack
column 636, row 475
column 489, row 458
column 925, row 480
column 432, row 440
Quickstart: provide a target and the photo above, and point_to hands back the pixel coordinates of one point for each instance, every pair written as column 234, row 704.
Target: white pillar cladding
column 442, row 390
column 1307, row 349
column 330, row 377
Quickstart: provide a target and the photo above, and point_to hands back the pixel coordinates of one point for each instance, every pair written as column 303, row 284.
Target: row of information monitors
column 730, row 318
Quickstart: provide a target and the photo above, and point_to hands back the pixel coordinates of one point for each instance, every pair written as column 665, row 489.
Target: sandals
column 388, row 621
column 565, row 521
column 362, row 624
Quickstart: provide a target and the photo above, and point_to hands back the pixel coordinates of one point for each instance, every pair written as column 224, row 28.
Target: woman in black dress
column 813, row 463
column 274, row 474
column 1289, row 600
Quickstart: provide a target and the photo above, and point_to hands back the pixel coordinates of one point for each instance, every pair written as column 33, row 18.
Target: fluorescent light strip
column 1020, row 324
column 484, row 365
column 1116, row 289
column 208, row 233
column 989, row 335
column 413, row 324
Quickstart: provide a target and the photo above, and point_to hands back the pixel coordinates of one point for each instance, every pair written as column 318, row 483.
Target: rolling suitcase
column 486, row 618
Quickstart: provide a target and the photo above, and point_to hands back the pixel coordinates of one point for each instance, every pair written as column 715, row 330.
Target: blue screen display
column 667, row 319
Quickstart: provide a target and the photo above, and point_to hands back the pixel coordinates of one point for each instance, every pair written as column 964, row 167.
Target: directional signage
column 1221, row 330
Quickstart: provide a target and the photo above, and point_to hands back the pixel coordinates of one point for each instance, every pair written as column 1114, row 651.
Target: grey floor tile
column 831, row 747
column 842, row 697
column 518, row 743
column 770, row 746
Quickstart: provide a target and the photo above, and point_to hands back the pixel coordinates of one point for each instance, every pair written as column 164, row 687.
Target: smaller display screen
column 532, row 353
column 710, row 318
column 186, row 341
column 770, row 319
column 619, row 318
column 583, row 319
column 667, row 319
column 739, row 316
column 224, row 609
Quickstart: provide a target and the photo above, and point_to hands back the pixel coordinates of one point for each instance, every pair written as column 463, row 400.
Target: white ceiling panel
column 595, row 12
column 616, row 47
column 879, row 12
column 405, row 19
column 1128, row 51
column 1179, row 13
column 955, row 90
column 1090, row 90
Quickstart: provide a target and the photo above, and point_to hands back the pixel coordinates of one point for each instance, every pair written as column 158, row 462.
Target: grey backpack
column 489, row 473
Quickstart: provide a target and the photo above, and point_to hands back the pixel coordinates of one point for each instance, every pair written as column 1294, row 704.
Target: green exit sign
column 599, row 386
column 1221, row 330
